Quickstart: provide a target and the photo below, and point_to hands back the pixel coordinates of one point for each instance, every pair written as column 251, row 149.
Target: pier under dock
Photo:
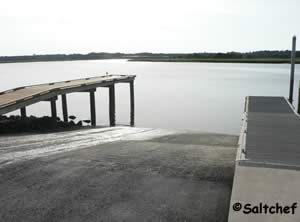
column 21, row 97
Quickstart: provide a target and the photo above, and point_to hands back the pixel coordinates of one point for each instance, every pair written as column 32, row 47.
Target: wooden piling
column 298, row 110
column 293, row 55
column 112, row 105
column 93, row 107
column 53, row 108
column 131, row 84
column 64, row 107
column 23, row 112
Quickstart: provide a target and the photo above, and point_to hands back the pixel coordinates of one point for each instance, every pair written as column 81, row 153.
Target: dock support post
column 64, row 107
column 23, row 112
column 293, row 55
column 112, row 105
column 298, row 99
column 93, row 107
column 131, row 84
column 53, row 107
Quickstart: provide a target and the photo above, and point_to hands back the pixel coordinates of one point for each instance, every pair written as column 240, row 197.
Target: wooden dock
column 21, row 97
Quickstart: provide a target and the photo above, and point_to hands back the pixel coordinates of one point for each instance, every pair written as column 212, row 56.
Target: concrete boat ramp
column 116, row 174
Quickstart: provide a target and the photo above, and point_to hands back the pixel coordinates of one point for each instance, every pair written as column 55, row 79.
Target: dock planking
column 19, row 98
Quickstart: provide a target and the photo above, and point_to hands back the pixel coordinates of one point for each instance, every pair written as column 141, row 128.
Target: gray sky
column 63, row 26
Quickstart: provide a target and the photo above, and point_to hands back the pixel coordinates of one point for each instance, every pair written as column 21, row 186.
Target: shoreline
column 65, row 60
column 254, row 61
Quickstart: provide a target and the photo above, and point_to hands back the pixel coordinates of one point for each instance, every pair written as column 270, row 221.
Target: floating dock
column 21, row 97
column 267, row 167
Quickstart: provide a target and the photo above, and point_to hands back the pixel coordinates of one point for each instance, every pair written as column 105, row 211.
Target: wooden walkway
column 21, row 97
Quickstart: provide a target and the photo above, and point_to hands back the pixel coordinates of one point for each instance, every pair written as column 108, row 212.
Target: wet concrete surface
column 139, row 175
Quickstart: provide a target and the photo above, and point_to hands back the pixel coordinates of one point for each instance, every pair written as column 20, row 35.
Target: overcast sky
column 63, row 26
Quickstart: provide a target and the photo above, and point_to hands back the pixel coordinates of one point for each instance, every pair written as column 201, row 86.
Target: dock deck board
column 17, row 98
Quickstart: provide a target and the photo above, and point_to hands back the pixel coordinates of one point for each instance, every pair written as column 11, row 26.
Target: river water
column 196, row 96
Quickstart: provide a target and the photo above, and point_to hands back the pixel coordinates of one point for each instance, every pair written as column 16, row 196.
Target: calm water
column 197, row 96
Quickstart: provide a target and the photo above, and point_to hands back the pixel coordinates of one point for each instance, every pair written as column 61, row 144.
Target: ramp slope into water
column 116, row 174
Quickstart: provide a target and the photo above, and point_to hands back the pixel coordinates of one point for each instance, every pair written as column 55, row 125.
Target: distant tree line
column 61, row 57
column 238, row 55
column 103, row 55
